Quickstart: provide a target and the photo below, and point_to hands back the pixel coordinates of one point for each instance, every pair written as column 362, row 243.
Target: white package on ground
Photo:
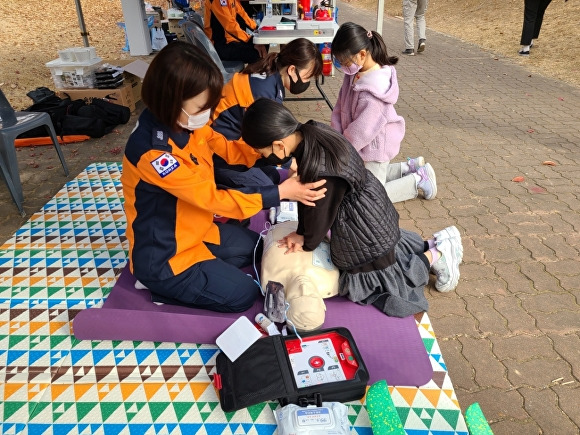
column 307, row 277
column 330, row 419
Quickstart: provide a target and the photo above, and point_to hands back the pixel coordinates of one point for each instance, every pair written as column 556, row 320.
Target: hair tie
column 370, row 34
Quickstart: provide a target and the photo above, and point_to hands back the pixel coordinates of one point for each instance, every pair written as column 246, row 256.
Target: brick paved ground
column 510, row 333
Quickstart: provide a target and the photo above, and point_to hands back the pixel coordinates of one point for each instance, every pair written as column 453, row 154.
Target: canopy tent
column 380, row 15
column 84, row 32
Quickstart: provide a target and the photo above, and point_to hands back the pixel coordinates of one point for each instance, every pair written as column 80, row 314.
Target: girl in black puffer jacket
column 380, row 263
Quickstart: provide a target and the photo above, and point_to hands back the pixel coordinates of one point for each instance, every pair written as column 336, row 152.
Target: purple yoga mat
column 391, row 347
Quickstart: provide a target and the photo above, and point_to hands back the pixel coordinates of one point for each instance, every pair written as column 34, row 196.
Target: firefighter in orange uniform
column 175, row 248
column 289, row 70
column 225, row 24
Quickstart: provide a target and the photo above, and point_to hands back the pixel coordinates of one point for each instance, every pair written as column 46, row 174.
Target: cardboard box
column 127, row 95
column 156, row 18
column 122, row 95
column 173, row 24
column 134, row 73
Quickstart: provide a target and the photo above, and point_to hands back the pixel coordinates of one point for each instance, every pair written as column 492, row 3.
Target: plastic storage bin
column 68, row 75
column 77, row 54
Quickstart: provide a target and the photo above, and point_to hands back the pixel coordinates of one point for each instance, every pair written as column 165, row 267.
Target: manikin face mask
column 195, row 122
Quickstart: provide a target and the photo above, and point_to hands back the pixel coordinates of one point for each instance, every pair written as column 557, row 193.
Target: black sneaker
column 421, row 47
column 409, row 52
column 524, row 53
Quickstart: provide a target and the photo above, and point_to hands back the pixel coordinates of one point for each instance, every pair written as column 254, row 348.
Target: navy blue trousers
column 218, row 284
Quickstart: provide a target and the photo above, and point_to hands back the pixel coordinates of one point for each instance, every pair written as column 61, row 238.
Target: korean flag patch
column 165, row 164
column 224, row 2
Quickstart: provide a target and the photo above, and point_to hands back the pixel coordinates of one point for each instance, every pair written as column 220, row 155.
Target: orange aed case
column 325, row 366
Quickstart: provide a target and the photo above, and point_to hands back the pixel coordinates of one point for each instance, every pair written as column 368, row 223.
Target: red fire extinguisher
column 326, row 60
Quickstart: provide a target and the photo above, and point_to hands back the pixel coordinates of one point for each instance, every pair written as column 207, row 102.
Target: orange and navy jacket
column 238, row 94
column 171, row 196
column 225, row 21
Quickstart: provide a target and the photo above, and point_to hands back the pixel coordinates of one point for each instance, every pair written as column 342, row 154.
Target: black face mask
column 277, row 161
column 297, row 87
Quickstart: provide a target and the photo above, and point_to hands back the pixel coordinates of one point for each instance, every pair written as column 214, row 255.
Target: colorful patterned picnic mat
column 66, row 258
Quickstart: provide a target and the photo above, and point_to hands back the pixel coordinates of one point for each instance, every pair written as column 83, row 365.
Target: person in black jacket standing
column 533, row 17
column 380, row 264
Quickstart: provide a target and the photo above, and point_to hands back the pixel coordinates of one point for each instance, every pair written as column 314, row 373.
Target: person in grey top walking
column 414, row 9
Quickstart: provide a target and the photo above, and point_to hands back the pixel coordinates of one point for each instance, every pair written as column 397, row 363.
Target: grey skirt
column 398, row 290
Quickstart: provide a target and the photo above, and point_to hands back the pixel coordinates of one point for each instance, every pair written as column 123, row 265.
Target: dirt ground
column 496, row 25
column 33, row 32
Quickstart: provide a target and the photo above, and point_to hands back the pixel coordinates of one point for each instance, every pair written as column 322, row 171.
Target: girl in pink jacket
column 365, row 113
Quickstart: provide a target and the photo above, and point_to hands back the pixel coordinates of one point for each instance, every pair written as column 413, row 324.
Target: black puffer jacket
column 367, row 224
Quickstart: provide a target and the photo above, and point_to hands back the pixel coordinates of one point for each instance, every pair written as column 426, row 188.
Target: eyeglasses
column 338, row 64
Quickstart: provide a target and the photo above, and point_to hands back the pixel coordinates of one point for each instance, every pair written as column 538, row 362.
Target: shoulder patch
column 165, row 164
column 224, row 2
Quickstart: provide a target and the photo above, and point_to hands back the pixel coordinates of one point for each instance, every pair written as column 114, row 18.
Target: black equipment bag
column 56, row 107
column 94, row 119
column 84, row 125
column 113, row 114
column 326, row 366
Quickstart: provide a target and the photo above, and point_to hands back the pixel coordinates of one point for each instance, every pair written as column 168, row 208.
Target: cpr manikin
column 307, row 277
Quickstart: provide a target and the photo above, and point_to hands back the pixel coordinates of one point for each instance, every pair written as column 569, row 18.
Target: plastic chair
column 13, row 124
column 196, row 36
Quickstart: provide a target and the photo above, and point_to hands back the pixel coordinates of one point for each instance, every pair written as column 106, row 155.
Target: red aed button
column 316, row 362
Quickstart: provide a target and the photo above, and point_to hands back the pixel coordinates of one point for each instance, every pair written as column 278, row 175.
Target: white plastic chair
column 13, row 124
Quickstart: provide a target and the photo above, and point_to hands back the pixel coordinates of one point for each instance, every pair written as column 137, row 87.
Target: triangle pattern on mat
column 66, row 260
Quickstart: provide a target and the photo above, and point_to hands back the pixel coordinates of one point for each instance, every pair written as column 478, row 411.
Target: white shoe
column 451, row 233
column 427, row 182
column 446, row 268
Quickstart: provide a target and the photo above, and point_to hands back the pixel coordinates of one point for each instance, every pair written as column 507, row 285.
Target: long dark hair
column 266, row 121
column 351, row 38
column 180, row 71
column 299, row 52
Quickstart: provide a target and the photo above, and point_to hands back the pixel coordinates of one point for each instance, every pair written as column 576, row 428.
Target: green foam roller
column 476, row 421
column 382, row 413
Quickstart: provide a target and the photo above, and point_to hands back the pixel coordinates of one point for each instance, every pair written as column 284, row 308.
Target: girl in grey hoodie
column 365, row 113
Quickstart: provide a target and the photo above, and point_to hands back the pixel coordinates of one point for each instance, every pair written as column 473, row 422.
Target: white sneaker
column 415, row 164
column 427, row 182
column 446, row 268
column 451, row 233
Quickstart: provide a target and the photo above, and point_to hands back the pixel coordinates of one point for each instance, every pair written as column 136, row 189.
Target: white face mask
column 195, row 122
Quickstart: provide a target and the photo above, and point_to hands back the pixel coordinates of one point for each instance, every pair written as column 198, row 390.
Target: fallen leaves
column 537, row 189
column 549, row 163
column 518, row 179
